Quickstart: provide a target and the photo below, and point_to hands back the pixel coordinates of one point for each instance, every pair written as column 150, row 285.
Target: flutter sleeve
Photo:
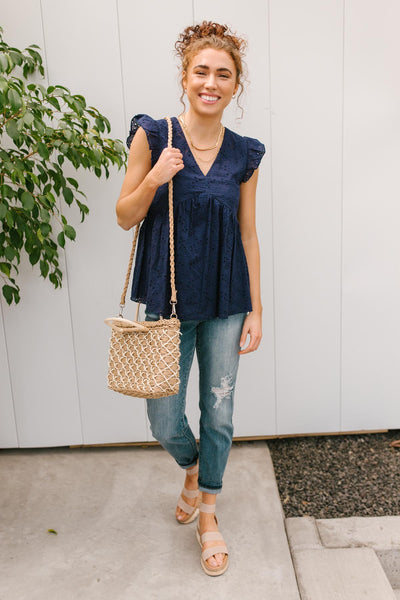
column 152, row 132
column 255, row 152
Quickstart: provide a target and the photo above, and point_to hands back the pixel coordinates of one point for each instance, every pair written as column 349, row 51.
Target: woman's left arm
column 247, row 222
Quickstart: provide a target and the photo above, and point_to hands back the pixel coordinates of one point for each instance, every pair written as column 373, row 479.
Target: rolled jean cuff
column 189, row 466
column 209, row 490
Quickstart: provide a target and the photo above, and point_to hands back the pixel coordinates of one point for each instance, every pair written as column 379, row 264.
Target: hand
column 169, row 163
column 251, row 327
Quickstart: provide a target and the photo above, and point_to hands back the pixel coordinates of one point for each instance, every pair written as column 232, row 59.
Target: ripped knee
column 223, row 391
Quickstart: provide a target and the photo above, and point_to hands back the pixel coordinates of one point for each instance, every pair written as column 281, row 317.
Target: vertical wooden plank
column 150, row 69
column 87, row 59
column 371, row 217
column 8, row 426
column 306, row 83
column 255, row 411
column 22, row 32
column 38, row 330
column 150, row 76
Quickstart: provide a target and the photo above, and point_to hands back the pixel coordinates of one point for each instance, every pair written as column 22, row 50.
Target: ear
column 183, row 79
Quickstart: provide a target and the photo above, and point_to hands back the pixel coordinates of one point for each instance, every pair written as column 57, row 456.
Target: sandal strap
column 214, row 550
column 187, row 508
column 207, row 508
column 211, row 536
column 190, row 493
column 193, row 470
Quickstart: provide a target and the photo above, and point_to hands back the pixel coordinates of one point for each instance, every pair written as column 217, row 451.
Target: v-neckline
column 193, row 156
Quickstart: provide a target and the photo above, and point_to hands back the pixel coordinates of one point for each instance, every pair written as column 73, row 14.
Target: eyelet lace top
column 212, row 278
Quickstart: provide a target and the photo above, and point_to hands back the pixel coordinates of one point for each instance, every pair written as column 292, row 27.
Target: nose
column 211, row 81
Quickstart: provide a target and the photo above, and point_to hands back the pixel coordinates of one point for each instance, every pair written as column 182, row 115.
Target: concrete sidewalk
column 113, row 510
column 117, row 538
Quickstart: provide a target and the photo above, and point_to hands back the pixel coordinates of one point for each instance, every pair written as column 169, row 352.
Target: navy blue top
column 211, row 274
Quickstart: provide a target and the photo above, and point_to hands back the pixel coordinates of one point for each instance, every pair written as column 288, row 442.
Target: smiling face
column 210, row 81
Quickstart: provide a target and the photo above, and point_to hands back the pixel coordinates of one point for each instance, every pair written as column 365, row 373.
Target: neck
column 203, row 128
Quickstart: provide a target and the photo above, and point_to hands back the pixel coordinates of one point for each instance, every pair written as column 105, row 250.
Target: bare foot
column 207, row 523
column 190, row 484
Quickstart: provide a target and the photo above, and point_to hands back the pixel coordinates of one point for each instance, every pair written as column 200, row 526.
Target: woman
column 217, row 261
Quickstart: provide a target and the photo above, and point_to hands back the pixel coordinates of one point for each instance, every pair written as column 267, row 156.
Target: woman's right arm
column 141, row 181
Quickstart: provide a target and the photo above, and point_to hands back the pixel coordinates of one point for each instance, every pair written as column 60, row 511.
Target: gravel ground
column 338, row 475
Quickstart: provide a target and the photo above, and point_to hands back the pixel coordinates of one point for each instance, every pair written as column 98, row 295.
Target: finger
column 243, row 336
column 253, row 345
column 174, row 151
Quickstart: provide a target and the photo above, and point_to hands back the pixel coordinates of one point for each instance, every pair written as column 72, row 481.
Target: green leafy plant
column 41, row 130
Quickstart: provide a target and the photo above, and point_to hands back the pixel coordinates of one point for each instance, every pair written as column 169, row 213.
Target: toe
column 180, row 514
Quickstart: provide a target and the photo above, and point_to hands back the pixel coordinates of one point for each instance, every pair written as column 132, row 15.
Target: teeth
column 209, row 98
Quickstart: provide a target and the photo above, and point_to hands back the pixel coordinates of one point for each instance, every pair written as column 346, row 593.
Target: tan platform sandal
column 192, row 511
column 209, row 536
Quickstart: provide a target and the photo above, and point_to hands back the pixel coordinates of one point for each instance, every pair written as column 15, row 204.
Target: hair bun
column 208, row 29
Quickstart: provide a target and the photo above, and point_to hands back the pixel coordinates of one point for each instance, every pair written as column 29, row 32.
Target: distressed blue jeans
column 217, row 345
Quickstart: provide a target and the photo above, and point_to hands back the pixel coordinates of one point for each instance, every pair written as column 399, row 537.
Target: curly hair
column 212, row 35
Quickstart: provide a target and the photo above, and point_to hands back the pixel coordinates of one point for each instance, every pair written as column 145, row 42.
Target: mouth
column 209, row 98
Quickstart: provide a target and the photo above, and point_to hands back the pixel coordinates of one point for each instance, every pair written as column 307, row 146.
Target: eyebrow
column 206, row 67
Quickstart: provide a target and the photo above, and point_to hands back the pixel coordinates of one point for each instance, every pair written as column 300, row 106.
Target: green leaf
column 16, row 238
column 43, row 150
column 54, row 102
column 16, row 56
column 45, row 228
column 44, row 215
column 3, row 211
column 6, row 191
column 28, row 118
column 28, row 201
column 12, row 130
column 69, row 232
column 84, row 210
column 8, row 291
column 54, row 280
column 59, row 90
column 39, row 126
column 20, row 124
column 34, row 255
column 9, row 219
column 44, row 268
column 14, row 99
column 73, row 182
column 3, row 66
column 61, row 239
column 68, row 196
column 9, row 253
column 5, row 268
column 50, row 199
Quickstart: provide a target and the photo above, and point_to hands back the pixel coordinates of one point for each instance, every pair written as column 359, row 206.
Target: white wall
column 324, row 97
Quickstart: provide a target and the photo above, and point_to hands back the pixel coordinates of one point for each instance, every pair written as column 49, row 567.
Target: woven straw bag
column 144, row 356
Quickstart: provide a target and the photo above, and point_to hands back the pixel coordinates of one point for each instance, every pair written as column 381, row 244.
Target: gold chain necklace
column 204, row 160
column 182, row 120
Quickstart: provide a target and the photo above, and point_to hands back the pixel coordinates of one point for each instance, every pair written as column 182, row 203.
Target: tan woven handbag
column 144, row 356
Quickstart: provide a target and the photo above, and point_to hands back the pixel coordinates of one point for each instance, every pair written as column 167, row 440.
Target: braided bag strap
column 173, row 300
